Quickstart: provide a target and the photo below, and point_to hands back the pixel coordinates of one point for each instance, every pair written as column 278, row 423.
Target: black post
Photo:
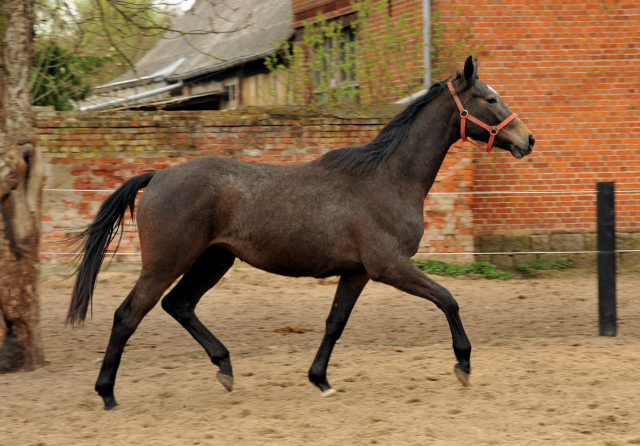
column 606, row 259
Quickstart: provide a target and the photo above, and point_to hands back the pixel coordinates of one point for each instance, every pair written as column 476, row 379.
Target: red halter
column 464, row 115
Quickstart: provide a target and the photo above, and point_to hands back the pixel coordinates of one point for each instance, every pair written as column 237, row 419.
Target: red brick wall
column 403, row 59
column 87, row 154
column 570, row 70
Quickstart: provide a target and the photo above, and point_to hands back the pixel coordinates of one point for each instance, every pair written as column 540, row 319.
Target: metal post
column 606, row 259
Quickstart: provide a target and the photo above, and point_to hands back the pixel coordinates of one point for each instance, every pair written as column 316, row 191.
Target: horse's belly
column 296, row 257
column 307, row 270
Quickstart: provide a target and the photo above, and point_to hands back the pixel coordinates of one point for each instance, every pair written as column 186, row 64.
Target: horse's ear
column 470, row 69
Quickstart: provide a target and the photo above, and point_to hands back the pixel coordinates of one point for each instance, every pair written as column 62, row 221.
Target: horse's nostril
column 532, row 141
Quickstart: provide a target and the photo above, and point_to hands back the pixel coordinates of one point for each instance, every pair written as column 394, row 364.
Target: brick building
column 390, row 43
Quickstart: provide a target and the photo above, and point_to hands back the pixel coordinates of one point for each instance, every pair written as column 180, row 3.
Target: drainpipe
column 426, row 36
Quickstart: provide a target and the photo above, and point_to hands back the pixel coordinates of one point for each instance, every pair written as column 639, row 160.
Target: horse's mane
column 366, row 157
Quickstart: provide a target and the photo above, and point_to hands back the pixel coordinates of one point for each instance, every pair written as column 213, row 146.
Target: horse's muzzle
column 519, row 151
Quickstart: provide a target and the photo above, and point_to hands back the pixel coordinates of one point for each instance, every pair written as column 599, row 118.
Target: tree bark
column 20, row 194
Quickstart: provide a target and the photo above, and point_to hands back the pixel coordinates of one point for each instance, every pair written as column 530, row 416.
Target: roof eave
column 220, row 67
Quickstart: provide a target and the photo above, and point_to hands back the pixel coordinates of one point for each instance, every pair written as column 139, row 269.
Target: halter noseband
column 464, row 115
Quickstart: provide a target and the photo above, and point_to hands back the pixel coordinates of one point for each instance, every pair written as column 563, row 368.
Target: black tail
column 95, row 240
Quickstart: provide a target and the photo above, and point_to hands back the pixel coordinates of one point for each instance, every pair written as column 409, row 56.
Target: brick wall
column 404, row 58
column 87, row 154
column 308, row 10
column 570, row 70
column 398, row 61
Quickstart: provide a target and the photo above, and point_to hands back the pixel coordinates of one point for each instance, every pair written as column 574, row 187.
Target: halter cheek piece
column 464, row 115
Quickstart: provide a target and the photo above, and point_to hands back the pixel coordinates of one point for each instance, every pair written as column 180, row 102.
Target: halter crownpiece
column 464, row 115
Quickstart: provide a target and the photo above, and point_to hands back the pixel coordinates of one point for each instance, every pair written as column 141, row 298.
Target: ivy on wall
column 332, row 63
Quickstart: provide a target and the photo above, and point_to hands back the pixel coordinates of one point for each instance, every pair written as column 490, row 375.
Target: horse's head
column 485, row 118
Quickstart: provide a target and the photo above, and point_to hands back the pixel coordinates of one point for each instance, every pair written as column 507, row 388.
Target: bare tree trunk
column 20, row 194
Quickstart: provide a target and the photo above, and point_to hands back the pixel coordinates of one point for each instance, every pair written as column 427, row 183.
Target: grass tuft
column 485, row 269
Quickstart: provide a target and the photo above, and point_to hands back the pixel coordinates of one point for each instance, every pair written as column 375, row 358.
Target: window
column 334, row 67
column 230, row 93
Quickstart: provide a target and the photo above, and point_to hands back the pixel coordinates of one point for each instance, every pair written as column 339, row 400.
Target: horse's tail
column 95, row 240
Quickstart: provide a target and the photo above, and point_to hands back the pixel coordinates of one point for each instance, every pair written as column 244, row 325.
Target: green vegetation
column 58, row 76
column 83, row 43
column 451, row 42
column 485, row 269
column 489, row 270
column 333, row 64
column 121, row 31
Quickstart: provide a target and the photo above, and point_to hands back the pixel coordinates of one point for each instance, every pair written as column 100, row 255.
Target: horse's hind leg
column 142, row 298
column 183, row 298
column 349, row 289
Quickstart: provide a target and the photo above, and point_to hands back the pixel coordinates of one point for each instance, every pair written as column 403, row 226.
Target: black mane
column 366, row 157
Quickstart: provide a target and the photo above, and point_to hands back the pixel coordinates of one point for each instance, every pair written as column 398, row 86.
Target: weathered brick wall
column 568, row 68
column 87, row 154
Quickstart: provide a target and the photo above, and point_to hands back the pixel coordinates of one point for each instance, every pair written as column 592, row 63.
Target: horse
column 355, row 212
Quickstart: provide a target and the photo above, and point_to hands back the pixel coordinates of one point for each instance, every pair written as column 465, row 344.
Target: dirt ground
column 541, row 375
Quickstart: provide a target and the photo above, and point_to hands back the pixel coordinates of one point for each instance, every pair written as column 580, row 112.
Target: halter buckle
column 464, row 114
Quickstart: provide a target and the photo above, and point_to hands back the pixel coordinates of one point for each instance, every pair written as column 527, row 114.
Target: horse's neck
column 418, row 159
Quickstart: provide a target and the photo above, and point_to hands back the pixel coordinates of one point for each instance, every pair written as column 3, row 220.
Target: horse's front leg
column 406, row 277
column 349, row 289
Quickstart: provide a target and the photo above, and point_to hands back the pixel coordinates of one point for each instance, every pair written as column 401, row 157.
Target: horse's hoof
column 226, row 381
column 329, row 392
column 462, row 375
column 109, row 403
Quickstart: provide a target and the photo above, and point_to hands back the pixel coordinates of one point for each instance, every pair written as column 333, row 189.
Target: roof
column 215, row 36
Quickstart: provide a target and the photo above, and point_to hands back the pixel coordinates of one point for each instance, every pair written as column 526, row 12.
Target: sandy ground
column 541, row 375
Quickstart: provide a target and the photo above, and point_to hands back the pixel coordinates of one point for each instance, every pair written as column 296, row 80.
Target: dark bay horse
column 355, row 212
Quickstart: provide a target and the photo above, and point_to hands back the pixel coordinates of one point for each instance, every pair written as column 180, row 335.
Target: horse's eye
column 491, row 100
